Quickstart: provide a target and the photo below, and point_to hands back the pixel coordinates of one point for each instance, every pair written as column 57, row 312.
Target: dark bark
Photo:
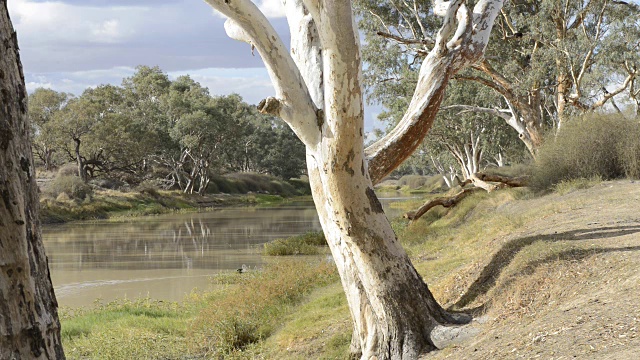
column 81, row 171
column 29, row 326
column 506, row 180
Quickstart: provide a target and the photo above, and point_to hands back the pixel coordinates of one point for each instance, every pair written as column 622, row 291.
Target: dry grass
column 553, row 276
column 250, row 310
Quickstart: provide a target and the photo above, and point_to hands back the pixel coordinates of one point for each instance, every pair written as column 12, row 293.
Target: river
column 165, row 257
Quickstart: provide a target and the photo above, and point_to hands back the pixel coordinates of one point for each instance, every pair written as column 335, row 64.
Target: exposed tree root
column 480, row 181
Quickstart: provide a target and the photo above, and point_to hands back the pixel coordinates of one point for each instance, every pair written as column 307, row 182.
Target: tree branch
column 447, row 202
column 502, row 113
column 400, row 39
column 247, row 23
column 444, row 60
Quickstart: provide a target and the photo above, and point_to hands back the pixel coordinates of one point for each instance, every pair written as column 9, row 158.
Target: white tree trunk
column 29, row 326
column 318, row 93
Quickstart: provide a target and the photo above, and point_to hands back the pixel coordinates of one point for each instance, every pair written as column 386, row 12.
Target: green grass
column 127, row 330
column 296, row 308
column 221, row 322
column 311, row 243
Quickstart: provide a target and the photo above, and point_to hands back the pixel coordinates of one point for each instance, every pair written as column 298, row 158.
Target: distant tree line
column 153, row 128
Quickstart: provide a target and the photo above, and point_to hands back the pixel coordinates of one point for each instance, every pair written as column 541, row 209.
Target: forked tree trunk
column 318, row 93
column 392, row 309
column 29, row 326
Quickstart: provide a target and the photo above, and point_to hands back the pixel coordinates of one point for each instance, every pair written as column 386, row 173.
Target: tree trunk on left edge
column 29, row 325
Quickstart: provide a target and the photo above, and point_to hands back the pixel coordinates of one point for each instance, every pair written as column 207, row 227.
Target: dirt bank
column 581, row 301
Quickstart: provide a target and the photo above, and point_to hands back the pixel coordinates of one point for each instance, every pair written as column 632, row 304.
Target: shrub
column 629, row 151
column 224, row 185
column 148, row 187
column 72, row 186
column 413, row 181
column 305, row 244
column 301, row 186
column 591, row 147
column 69, row 169
column 242, row 183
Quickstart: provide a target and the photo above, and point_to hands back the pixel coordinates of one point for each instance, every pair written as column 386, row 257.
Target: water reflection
column 212, row 240
column 163, row 257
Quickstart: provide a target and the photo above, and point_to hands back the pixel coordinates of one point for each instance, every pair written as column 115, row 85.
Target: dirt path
column 580, row 302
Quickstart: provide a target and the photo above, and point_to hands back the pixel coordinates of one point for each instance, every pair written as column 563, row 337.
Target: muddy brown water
column 165, row 257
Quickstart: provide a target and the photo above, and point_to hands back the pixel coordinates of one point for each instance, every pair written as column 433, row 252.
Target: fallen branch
column 446, row 202
column 478, row 178
column 508, row 181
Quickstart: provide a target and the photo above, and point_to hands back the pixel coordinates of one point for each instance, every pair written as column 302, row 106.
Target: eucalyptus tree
column 548, row 59
column 43, row 105
column 72, row 126
column 201, row 135
column 319, row 94
column 144, row 102
column 29, row 326
column 113, row 146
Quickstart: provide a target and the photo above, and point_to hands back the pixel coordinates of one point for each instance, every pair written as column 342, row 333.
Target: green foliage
column 301, row 186
column 591, row 147
column 188, row 134
column 540, row 51
column 305, row 244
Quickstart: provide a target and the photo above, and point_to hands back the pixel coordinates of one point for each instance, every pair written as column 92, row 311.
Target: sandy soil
column 583, row 303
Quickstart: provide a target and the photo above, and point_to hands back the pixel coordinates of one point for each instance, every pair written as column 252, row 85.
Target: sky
column 69, row 45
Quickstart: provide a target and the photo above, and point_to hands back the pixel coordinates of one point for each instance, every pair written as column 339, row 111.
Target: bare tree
column 29, row 326
column 319, row 94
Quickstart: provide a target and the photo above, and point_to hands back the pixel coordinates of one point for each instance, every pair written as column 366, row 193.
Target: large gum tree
column 319, row 94
column 29, row 326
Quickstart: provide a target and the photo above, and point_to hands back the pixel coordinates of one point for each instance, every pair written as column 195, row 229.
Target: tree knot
column 270, row 106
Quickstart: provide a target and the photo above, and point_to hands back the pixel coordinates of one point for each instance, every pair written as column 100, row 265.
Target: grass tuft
column 310, row 243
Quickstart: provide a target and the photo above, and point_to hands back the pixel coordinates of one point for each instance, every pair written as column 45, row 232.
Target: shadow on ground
column 508, row 252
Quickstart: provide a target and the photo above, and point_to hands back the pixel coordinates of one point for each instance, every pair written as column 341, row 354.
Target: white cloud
column 42, row 22
column 253, row 84
column 32, row 85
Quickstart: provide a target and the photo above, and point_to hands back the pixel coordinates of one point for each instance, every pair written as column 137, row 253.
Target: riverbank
column 548, row 276
column 112, row 204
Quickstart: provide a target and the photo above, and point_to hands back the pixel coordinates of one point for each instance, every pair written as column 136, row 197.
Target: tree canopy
column 547, row 60
column 152, row 127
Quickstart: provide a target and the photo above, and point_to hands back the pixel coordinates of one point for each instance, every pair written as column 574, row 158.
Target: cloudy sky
column 69, row 45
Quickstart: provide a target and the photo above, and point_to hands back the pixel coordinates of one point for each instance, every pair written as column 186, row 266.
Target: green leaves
column 152, row 127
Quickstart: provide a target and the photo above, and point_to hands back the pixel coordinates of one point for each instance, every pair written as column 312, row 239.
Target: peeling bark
column 29, row 326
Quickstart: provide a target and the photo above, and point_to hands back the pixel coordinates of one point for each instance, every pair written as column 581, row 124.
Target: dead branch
column 447, row 202
column 506, row 180
column 451, row 201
